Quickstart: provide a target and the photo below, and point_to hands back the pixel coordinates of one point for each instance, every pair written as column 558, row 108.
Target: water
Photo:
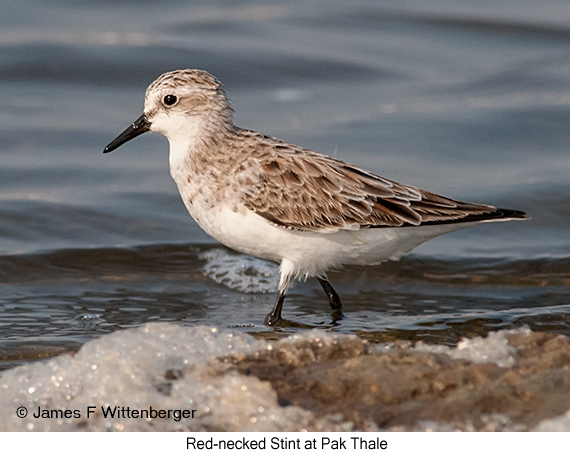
column 470, row 100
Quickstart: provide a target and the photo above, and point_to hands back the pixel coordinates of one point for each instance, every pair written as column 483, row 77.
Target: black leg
column 334, row 299
column 275, row 315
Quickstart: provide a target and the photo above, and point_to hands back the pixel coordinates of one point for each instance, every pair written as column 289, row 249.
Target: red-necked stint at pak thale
column 278, row 201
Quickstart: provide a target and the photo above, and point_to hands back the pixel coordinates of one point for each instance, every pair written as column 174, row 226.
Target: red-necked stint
column 277, row 201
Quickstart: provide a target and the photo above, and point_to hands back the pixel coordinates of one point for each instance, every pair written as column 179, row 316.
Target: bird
column 262, row 196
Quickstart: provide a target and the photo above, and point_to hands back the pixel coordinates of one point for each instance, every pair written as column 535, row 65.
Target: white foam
column 494, row 348
column 557, row 424
column 240, row 272
column 162, row 366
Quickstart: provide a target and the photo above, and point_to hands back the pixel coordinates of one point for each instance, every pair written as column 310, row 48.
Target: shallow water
column 471, row 101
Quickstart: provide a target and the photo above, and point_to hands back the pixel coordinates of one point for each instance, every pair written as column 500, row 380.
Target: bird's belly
column 311, row 253
column 244, row 231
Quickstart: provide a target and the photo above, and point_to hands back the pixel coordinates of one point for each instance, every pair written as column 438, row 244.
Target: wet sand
column 404, row 389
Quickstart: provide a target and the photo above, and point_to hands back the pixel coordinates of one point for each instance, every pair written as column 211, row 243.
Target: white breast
column 310, row 253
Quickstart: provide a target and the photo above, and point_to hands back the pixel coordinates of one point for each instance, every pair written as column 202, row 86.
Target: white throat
column 184, row 136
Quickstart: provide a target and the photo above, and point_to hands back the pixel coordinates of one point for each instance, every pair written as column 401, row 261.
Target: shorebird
column 274, row 200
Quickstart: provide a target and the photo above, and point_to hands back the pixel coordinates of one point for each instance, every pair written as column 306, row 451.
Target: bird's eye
column 169, row 100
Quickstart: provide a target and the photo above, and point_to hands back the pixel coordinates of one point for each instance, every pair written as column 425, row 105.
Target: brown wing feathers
column 310, row 191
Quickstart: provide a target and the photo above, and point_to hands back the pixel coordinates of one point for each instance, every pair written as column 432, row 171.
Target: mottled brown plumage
column 303, row 190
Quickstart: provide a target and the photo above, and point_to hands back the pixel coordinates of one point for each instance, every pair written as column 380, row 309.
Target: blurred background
column 467, row 99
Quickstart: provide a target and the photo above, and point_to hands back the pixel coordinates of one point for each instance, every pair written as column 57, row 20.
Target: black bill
column 141, row 125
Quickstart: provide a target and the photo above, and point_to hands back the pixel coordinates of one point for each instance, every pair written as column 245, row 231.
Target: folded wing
column 299, row 189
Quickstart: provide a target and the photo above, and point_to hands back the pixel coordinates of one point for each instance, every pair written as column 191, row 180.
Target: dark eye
column 169, row 100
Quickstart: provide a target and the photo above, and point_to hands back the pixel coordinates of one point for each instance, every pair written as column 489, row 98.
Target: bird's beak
column 141, row 125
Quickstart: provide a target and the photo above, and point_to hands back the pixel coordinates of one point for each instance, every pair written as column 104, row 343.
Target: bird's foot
column 272, row 319
column 337, row 315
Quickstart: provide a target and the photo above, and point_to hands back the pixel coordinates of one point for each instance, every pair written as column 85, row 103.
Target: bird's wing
column 303, row 190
